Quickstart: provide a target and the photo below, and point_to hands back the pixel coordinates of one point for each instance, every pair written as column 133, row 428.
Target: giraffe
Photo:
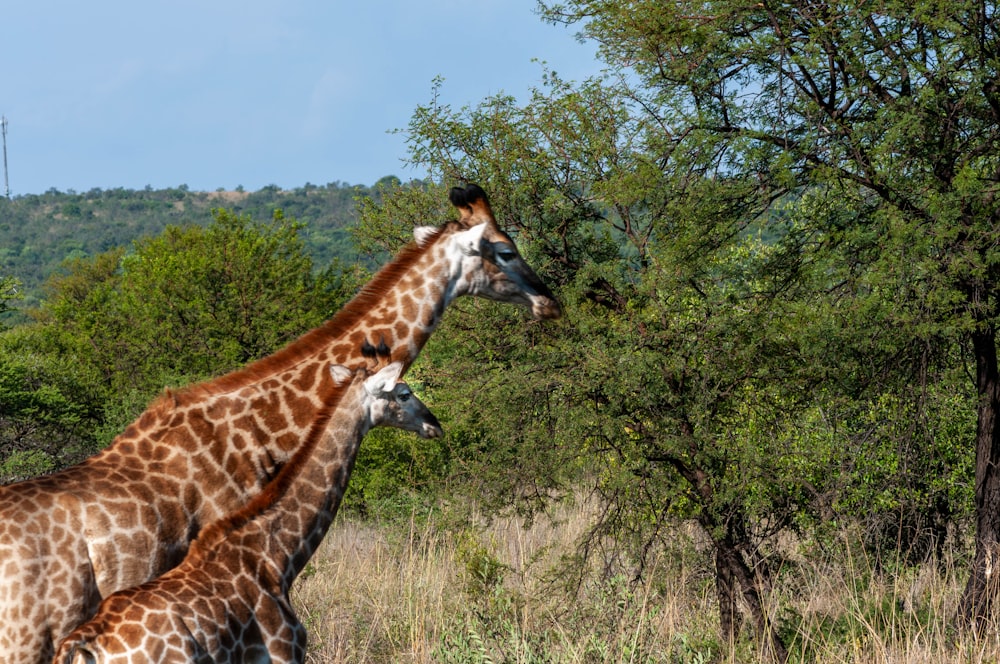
column 128, row 514
column 228, row 600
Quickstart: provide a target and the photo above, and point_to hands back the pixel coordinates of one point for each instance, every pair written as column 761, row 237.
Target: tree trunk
column 730, row 568
column 729, row 559
column 730, row 619
column 976, row 606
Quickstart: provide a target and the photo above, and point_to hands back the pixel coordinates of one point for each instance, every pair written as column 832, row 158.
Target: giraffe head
column 491, row 265
column 389, row 402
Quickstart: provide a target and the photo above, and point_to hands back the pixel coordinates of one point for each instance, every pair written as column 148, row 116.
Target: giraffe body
column 127, row 514
column 228, row 600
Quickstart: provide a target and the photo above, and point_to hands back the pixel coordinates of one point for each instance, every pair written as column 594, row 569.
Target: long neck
column 235, row 431
column 395, row 312
column 317, row 496
column 286, row 524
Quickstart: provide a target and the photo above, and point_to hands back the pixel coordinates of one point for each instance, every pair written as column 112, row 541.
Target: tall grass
column 437, row 589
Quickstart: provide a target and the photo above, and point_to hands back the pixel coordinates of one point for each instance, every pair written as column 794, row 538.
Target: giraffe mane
column 160, row 408
column 359, row 306
column 277, row 487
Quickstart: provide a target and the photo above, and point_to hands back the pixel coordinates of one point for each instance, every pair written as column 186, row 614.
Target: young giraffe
column 228, row 600
column 127, row 514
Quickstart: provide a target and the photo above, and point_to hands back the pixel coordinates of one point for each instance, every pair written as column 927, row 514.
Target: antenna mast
column 3, row 127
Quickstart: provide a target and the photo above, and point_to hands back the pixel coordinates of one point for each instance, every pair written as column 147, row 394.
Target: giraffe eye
column 507, row 254
column 404, row 396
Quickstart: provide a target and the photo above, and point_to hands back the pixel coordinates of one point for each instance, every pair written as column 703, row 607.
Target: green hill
column 39, row 232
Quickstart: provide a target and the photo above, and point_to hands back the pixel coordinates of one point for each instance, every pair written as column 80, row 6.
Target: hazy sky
column 215, row 94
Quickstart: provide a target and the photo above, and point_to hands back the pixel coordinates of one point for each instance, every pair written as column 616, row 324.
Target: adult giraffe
column 127, row 514
column 228, row 600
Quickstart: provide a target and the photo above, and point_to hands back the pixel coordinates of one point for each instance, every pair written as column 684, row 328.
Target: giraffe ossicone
column 228, row 600
column 128, row 514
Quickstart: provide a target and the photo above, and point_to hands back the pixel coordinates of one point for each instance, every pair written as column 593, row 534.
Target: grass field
column 429, row 590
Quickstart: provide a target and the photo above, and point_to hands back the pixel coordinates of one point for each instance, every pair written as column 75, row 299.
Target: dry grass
column 431, row 591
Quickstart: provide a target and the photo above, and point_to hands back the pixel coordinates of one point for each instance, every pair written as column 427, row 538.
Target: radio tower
column 6, row 183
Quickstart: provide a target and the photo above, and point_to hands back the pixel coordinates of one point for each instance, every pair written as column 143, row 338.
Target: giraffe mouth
column 430, row 431
column 544, row 307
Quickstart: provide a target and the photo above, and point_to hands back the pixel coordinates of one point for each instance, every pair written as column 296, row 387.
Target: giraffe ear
column 340, row 373
column 423, row 233
column 473, row 205
column 385, row 379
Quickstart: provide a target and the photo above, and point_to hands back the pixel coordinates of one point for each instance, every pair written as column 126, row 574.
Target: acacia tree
column 876, row 124
column 678, row 385
column 896, row 103
column 672, row 338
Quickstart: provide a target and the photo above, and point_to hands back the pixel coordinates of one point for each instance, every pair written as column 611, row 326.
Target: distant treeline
column 39, row 232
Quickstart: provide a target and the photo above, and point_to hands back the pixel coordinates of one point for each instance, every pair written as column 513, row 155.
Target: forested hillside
column 39, row 232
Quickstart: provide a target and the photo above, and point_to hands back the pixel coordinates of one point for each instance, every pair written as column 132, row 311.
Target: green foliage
column 382, row 231
column 9, row 291
column 193, row 302
column 391, row 465
column 482, row 570
column 21, row 464
column 188, row 304
column 774, row 234
column 49, row 404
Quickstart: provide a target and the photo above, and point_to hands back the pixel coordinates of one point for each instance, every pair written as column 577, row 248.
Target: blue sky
column 216, row 94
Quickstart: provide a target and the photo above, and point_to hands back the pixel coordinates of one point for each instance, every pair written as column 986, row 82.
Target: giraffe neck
column 395, row 312
column 204, row 451
column 286, row 523
column 241, row 427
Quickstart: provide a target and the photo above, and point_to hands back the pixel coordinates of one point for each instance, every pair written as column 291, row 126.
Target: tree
column 9, row 291
column 50, row 407
column 896, row 103
column 671, row 340
column 861, row 142
column 47, row 408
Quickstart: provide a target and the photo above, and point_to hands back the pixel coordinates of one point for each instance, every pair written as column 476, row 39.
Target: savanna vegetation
column 766, row 427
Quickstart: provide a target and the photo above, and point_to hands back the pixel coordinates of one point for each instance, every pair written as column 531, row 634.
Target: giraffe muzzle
column 544, row 307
